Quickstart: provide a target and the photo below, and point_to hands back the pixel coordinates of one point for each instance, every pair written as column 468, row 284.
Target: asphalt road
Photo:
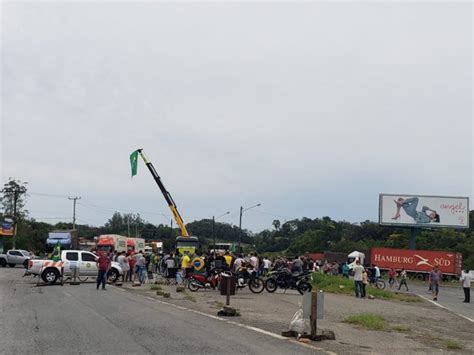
column 448, row 297
column 81, row 319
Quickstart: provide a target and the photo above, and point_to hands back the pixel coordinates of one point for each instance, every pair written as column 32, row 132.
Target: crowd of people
column 137, row 266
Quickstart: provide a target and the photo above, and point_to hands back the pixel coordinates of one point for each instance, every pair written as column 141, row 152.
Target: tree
column 276, row 224
column 12, row 198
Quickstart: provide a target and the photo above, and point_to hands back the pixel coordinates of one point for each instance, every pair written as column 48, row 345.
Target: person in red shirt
column 392, row 274
column 103, row 265
column 131, row 263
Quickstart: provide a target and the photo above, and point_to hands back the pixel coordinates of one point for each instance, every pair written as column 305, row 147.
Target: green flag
column 56, row 256
column 134, row 162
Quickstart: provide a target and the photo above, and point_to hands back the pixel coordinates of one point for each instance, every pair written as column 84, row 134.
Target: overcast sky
column 311, row 109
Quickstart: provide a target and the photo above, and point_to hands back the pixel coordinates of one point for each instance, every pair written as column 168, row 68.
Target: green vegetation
column 338, row 284
column 341, row 285
column 155, row 287
column 293, row 237
column 367, row 321
column 453, row 345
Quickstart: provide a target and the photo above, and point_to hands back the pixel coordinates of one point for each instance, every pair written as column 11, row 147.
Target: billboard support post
column 413, row 238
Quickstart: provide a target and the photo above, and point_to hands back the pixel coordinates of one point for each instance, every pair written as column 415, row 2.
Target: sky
column 309, row 108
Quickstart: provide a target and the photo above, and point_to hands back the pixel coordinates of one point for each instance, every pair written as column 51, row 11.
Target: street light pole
column 240, row 223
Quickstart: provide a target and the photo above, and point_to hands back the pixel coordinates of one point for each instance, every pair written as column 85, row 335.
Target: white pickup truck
column 85, row 261
column 15, row 257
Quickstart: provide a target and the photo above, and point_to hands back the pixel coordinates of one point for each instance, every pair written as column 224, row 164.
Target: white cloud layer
column 311, row 109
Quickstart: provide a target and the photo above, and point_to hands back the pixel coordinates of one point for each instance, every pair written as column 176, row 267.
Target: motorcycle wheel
column 256, row 285
column 193, row 286
column 304, row 287
column 271, row 285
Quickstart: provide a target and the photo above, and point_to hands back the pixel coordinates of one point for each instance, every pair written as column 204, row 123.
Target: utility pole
column 16, row 192
column 74, row 210
column 240, row 230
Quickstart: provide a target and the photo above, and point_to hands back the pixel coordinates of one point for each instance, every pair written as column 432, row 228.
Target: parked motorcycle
column 197, row 281
column 248, row 277
column 286, row 280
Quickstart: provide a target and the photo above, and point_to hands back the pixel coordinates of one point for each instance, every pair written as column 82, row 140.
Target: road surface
column 449, row 297
column 81, row 319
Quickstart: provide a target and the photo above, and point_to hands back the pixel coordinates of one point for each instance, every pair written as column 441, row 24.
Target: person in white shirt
column 358, row 271
column 466, row 285
column 267, row 264
column 254, row 261
column 237, row 264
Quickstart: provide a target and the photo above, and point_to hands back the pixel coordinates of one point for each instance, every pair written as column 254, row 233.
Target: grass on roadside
column 367, row 321
column 155, row 287
column 453, row 345
column 341, row 285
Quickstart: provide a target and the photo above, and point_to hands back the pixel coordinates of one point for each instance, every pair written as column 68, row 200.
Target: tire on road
column 271, row 285
column 3, row 263
column 25, row 264
column 380, row 284
column 50, row 275
column 11, row 265
column 113, row 275
column 193, row 286
column 256, row 285
column 304, row 287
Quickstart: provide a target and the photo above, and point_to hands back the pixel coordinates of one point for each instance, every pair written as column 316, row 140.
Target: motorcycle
column 286, row 280
column 197, row 281
column 248, row 277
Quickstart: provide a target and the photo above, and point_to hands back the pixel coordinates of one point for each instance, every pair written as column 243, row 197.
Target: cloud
column 304, row 107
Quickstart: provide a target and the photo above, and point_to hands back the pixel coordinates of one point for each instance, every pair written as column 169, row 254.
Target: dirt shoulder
column 419, row 327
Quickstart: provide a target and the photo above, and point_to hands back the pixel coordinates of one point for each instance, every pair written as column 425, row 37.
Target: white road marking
column 446, row 308
column 255, row 329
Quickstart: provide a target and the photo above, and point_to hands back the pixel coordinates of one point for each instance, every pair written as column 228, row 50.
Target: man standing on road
column 403, row 279
column 466, row 286
column 358, row 270
column 434, row 282
column 103, row 265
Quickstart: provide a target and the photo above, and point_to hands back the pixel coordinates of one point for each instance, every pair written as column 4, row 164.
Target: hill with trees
column 293, row 237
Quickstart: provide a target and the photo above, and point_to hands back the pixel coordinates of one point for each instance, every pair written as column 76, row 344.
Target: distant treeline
column 293, row 237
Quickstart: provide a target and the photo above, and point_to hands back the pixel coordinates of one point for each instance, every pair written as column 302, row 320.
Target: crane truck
column 185, row 242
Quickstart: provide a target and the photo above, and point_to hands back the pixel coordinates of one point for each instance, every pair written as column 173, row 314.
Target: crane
column 185, row 242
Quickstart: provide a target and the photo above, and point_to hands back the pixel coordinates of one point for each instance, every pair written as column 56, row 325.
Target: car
column 15, row 257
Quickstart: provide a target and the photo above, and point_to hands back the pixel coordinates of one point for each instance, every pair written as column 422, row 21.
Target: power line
column 46, row 195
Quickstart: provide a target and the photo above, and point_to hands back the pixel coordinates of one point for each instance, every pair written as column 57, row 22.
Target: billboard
column 7, row 227
column 423, row 211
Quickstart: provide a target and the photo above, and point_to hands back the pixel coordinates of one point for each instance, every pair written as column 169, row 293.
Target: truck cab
column 84, row 261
